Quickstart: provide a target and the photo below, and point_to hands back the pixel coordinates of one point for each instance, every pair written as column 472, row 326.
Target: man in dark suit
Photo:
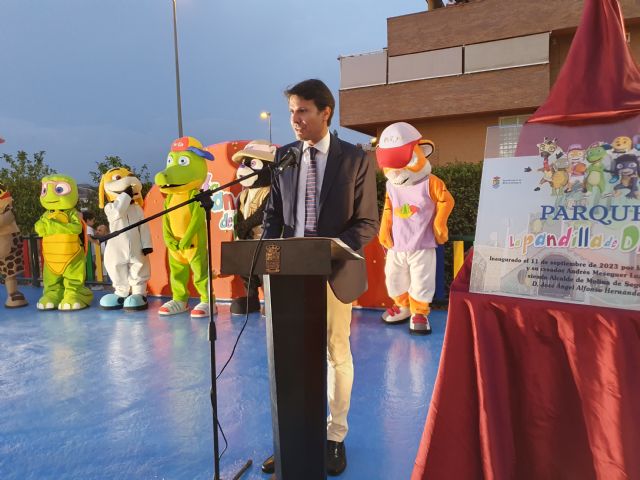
column 331, row 194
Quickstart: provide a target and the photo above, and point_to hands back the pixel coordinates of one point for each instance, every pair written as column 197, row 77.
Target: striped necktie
column 310, row 214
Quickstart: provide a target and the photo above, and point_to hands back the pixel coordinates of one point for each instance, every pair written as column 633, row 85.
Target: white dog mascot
column 125, row 256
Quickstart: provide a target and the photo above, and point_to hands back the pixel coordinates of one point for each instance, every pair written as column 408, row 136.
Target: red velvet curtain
column 599, row 78
column 532, row 390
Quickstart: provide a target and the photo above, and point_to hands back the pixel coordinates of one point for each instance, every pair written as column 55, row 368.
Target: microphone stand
column 204, row 197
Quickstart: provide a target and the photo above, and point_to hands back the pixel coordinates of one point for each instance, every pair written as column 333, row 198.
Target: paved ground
column 102, row 395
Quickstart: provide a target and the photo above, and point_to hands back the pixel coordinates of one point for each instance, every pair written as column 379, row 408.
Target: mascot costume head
column 11, row 262
column 125, row 255
column 414, row 222
column 254, row 158
column 61, row 227
column 184, row 229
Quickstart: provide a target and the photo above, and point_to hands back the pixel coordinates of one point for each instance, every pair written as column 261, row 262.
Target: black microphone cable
column 297, row 153
column 244, row 325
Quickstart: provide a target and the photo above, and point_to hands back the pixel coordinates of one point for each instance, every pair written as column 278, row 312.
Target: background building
column 452, row 72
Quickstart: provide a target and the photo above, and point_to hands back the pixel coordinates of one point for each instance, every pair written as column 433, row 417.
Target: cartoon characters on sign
column 550, row 152
column 184, row 229
column 10, row 250
column 625, row 169
column 604, row 173
column 60, row 227
column 125, row 256
column 252, row 202
column 594, row 179
column 414, row 221
column 577, row 169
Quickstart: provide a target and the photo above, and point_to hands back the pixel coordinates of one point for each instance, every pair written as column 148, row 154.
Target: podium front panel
column 291, row 256
column 296, row 308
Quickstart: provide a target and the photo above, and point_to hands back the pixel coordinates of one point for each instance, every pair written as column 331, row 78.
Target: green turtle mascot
column 184, row 229
column 60, row 227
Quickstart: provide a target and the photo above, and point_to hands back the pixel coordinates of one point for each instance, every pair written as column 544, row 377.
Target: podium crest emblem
column 272, row 259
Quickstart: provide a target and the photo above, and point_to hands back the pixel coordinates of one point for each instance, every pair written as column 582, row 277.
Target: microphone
column 289, row 159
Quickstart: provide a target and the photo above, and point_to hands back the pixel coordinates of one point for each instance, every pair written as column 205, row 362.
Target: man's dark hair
column 87, row 215
column 315, row 90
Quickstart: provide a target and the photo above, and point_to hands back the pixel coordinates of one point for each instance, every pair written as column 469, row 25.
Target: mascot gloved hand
column 125, row 256
column 60, row 227
column 10, row 250
column 184, row 229
column 414, row 221
column 252, row 202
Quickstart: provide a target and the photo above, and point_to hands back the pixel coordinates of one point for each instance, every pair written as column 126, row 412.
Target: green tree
column 114, row 161
column 109, row 162
column 22, row 177
column 463, row 181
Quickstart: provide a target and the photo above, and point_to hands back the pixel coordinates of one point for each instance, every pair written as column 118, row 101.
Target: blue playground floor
column 114, row 395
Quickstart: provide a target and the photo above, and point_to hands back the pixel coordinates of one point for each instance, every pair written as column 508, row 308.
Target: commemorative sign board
column 563, row 225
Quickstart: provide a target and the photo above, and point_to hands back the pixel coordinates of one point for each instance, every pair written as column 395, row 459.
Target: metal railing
column 96, row 273
column 32, row 258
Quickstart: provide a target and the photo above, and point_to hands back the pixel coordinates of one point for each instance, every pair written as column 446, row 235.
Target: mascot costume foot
column 184, row 229
column 252, row 202
column 10, row 251
column 60, row 227
column 125, row 256
column 414, row 221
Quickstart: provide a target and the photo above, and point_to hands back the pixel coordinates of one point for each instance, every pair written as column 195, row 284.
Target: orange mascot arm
column 444, row 205
column 385, row 236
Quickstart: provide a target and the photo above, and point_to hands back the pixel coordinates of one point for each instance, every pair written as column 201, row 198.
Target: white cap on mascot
column 396, row 145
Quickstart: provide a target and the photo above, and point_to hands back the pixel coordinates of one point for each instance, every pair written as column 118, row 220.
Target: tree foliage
column 114, row 161
column 22, row 177
column 463, row 182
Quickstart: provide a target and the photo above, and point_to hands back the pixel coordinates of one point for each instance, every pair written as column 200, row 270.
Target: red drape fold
column 527, row 390
column 599, row 79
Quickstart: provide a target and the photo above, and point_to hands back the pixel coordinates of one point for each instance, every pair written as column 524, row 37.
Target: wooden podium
column 295, row 285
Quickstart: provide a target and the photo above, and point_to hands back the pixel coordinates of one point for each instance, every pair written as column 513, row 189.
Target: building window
column 510, row 128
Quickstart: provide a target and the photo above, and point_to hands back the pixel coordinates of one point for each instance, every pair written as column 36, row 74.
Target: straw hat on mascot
column 184, row 230
column 414, row 221
column 253, row 158
column 11, row 262
column 125, row 256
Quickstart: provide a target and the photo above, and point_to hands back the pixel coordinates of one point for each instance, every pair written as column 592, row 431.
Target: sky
column 83, row 79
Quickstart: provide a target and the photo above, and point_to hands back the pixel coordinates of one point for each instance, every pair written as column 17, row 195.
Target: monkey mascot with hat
column 252, row 202
column 10, row 250
column 414, row 221
column 125, row 256
column 184, row 229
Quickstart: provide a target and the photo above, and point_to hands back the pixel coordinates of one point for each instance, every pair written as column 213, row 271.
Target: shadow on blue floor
column 102, row 395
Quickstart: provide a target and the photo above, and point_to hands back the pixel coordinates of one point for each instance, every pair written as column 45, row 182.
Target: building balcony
column 465, row 61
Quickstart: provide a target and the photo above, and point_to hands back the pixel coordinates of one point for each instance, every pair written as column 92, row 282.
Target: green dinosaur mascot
column 64, row 258
column 184, row 229
column 10, row 250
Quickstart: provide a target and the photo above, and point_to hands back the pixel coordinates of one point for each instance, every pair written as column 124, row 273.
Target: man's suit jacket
column 347, row 210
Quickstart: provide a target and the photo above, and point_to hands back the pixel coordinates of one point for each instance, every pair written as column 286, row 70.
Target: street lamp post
column 175, row 47
column 267, row 115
